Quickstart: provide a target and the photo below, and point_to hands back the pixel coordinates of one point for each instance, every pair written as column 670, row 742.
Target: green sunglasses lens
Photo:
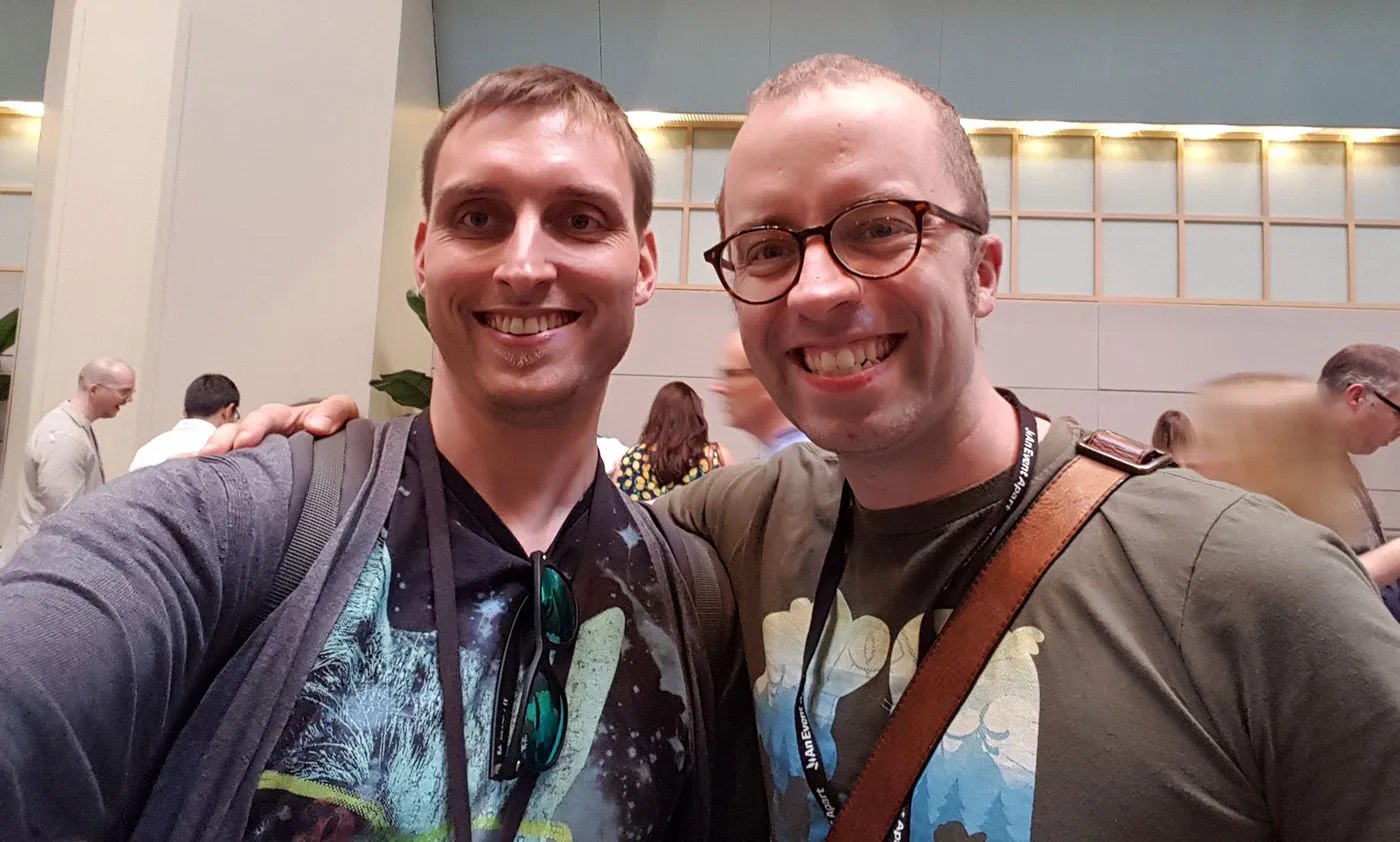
column 560, row 612
column 546, row 717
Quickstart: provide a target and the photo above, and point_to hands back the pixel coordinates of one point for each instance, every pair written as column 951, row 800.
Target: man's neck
column 531, row 477
column 978, row 439
column 81, row 403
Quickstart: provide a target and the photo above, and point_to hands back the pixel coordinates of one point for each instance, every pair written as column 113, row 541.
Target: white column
column 210, row 197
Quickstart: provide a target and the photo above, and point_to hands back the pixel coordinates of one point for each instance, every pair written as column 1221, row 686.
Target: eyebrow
column 461, row 191
column 784, row 221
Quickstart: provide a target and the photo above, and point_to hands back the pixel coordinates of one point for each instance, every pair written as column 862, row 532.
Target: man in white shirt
column 211, row 400
column 62, row 459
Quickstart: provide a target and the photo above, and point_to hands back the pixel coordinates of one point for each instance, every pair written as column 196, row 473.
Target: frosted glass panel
column 1224, row 261
column 1376, row 180
column 707, row 168
column 1139, row 176
column 1001, row 226
column 14, row 229
column 1056, row 257
column 667, row 150
column 704, row 232
column 1222, row 177
column 19, row 149
column 1308, row 179
column 994, row 155
column 666, row 224
column 1377, row 256
column 1307, row 263
column 1139, row 259
column 1057, row 173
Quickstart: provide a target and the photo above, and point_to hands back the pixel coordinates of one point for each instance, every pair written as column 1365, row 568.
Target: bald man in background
column 751, row 408
column 62, row 459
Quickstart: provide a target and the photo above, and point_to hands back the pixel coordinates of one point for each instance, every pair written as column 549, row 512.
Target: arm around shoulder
column 1295, row 653
column 110, row 617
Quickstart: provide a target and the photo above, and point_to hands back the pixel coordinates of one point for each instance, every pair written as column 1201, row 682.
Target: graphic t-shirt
column 362, row 756
column 1190, row 668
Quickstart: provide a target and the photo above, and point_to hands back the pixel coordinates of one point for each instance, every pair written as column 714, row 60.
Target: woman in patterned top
column 674, row 449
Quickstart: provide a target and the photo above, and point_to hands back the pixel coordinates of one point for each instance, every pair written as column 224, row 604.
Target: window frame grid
column 1013, row 215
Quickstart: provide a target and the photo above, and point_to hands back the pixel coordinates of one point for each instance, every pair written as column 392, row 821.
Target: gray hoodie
column 135, row 703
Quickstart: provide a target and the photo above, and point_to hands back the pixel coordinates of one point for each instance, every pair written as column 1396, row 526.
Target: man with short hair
column 211, row 400
column 1360, row 391
column 1197, row 664
column 751, row 408
column 62, row 459
column 495, row 644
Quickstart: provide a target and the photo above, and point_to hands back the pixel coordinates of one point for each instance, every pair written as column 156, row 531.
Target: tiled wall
column 1115, row 365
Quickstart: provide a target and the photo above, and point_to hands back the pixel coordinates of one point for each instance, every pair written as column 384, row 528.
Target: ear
column 986, row 274
column 646, row 270
column 419, row 271
column 1355, row 393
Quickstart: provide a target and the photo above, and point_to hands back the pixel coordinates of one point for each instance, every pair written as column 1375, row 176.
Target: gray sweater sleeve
column 113, row 618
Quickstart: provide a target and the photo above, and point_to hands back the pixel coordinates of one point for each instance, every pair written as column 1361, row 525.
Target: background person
column 674, row 447
column 211, row 400
column 62, row 458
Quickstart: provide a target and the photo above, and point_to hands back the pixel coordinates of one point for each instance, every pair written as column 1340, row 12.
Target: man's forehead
column 544, row 148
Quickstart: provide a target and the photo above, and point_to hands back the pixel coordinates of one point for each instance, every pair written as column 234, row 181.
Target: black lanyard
column 835, row 565
column 459, row 809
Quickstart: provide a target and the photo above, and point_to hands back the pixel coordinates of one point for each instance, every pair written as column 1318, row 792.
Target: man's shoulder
column 796, row 475
column 1175, row 526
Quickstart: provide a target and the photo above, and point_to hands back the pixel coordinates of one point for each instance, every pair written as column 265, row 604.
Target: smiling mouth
column 526, row 325
column 847, row 359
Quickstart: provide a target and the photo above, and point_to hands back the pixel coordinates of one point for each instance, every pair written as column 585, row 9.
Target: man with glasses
column 211, row 401
column 495, row 645
column 1360, row 391
column 750, row 407
column 1198, row 664
column 62, row 459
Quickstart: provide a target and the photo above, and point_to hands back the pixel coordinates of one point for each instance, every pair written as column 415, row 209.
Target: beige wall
column 1115, row 365
column 400, row 341
column 211, row 196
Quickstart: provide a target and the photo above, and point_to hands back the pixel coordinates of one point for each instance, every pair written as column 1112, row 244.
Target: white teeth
column 517, row 326
column 854, row 357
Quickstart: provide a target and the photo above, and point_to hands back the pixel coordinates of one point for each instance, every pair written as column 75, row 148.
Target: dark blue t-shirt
column 362, row 755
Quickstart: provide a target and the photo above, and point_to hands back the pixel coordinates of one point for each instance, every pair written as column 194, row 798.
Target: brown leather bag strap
column 948, row 672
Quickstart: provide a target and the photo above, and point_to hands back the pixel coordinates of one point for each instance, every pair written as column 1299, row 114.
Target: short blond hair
column 830, row 70
column 1268, row 433
column 545, row 87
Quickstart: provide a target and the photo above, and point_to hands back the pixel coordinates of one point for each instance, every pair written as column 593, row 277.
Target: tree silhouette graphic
column 952, row 809
column 997, row 825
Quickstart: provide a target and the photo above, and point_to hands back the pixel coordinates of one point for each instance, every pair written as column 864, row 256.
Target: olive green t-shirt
column 1199, row 663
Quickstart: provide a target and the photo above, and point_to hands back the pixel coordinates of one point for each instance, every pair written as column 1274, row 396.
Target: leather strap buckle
column 1123, row 453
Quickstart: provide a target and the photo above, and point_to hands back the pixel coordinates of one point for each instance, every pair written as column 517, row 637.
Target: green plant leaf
column 418, row 305
column 4, row 387
column 9, row 328
column 406, row 388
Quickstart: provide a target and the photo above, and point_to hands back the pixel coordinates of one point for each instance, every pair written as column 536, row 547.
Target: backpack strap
column 714, row 600
column 946, row 675
column 322, row 492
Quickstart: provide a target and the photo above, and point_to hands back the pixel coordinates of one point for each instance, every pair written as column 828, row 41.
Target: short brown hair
column 1374, row 366
column 544, row 87
column 835, row 69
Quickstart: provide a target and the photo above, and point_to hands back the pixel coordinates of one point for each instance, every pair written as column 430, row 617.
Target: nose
column 823, row 285
column 720, row 387
column 526, row 262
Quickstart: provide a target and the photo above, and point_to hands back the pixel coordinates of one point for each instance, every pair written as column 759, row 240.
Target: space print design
column 981, row 778
column 364, row 756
